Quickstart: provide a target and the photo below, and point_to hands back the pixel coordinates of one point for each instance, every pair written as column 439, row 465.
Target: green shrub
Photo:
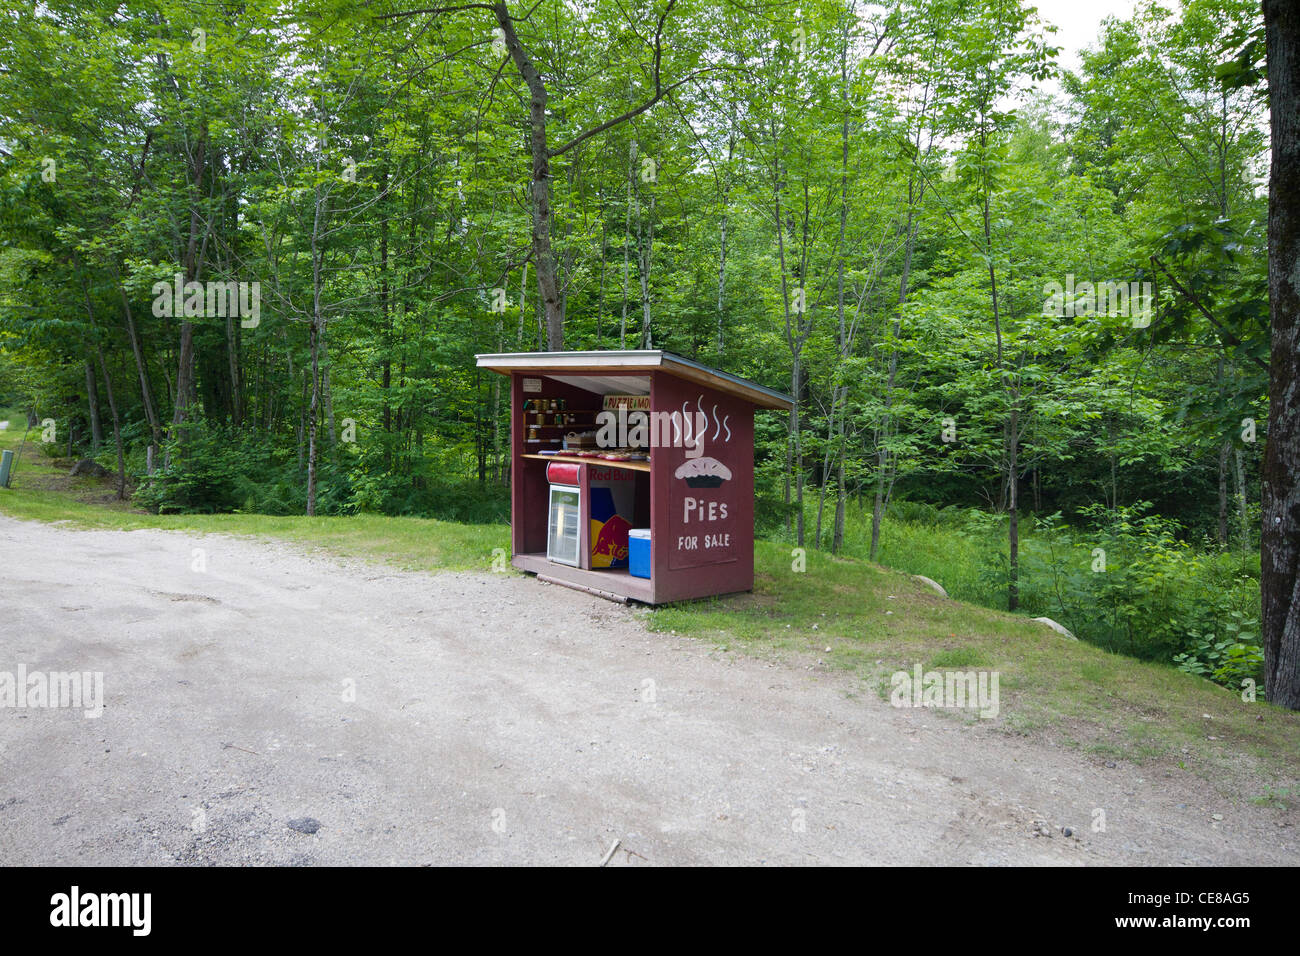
column 1154, row 597
column 915, row 512
column 1229, row 659
column 202, row 473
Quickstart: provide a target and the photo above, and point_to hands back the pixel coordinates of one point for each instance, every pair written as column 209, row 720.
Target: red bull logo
column 609, row 542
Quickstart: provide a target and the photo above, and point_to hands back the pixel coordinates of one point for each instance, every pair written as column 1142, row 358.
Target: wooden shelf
column 574, row 459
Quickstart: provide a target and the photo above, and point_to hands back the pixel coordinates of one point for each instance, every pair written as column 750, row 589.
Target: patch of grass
column 877, row 621
column 1282, row 799
column 960, row 657
column 1094, row 672
column 42, row 491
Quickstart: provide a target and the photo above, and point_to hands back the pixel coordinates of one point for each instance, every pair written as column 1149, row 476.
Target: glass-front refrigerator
column 562, row 528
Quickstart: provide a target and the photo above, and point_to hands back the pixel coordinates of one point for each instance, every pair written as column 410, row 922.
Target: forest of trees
column 997, row 287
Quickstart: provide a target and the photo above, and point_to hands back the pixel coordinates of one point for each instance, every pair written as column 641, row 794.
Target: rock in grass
column 931, row 583
column 305, row 825
column 90, row 468
column 1059, row 629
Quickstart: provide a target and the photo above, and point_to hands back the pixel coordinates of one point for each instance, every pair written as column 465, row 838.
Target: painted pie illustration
column 703, row 472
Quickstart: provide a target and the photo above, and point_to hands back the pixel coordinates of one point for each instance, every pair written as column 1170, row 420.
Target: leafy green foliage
column 1230, row 660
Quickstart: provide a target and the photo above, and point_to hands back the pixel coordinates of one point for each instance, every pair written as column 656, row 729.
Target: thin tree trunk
column 1242, row 504
column 1224, row 450
column 327, row 391
column 644, row 252
column 1010, row 436
column 839, row 393
column 884, row 459
column 92, row 405
column 385, row 311
column 312, row 417
column 236, row 380
column 496, row 408
column 785, row 297
column 117, row 425
column 627, row 238
column 146, row 392
column 184, row 375
column 722, row 272
column 112, row 403
column 1013, row 497
column 523, row 298
column 722, row 241
column 185, row 391
column 600, row 295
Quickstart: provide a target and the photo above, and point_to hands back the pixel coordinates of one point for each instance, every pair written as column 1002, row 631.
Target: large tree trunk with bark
column 1280, row 539
column 543, row 256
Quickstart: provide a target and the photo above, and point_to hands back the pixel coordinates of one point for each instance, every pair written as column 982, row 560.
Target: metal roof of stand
column 566, row 365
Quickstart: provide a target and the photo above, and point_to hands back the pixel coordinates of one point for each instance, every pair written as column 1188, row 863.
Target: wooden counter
column 574, row 459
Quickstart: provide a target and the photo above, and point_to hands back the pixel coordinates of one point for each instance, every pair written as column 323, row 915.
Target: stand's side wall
column 702, row 506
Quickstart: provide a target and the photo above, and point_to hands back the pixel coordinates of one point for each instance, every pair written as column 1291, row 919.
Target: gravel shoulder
column 490, row 719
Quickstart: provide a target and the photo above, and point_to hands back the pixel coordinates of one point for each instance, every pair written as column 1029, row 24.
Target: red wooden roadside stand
column 670, row 459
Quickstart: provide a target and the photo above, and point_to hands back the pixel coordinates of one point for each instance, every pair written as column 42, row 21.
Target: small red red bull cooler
column 607, row 443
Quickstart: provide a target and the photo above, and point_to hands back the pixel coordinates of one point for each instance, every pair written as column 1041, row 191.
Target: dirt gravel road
column 412, row 718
